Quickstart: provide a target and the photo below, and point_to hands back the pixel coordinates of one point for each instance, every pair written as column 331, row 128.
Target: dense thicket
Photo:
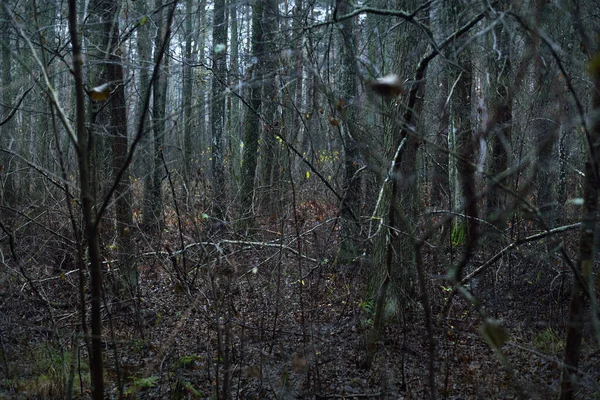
column 307, row 199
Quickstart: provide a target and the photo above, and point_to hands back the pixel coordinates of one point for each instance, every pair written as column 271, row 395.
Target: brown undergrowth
column 266, row 316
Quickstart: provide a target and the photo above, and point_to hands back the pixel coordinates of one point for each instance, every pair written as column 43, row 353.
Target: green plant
column 548, row 341
column 142, row 383
column 459, row 234
column 188, row 361
column 191, row 389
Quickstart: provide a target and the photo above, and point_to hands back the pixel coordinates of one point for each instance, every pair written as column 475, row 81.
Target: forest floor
column 253, row 319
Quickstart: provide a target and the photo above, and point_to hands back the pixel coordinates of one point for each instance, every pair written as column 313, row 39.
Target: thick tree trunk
column 583, row 284
column 111, row 72
column 405, row 201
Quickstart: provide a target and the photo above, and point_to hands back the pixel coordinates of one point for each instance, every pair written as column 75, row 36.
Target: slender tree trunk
column 233, row 102
column 144, row 60
column 8, row 193
column 438, row 86
column 544, row 127
column 499, row 128
column 350, row 243
column 154, row 219
column 91, row 232
column 123, row 206
column 252, row 121
column 270, row 21
column 219, row 52
column 187, row 96
column 297, row 90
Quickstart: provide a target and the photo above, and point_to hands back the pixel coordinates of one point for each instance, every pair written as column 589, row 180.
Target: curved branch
column 16, row 107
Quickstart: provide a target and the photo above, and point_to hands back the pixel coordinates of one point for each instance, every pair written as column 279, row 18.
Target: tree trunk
column 154, row 219
column 350, row 243
column 500, row 126
column 219, row 42
column 405, row 203
column 8, row 195
column 270, row 21
column 91, row 231
column 583, row 284
column 234, row 115
column 145, row 151
column 440, row 191
column 252, row 121
column 392, row 277
column 187, row 97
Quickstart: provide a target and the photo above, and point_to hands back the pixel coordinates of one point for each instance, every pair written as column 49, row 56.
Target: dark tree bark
column 404, row 199
column 438, row 88
column 8, row 193
column 350, row 243
column 219, row 52
column 583, row 285
column 187, row 95
column 106, row 12
column 234, row 115
column 268, row 150
column 392, row 277
column 91, row 230
column 154, row 198
column 252, row 120
column 543, row 123
column 500, row 125
column 144, row 61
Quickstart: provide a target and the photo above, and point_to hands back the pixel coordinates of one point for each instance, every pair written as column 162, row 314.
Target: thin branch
column 16, row 107
column 511, row 246
column 554, row 49
column 50, row 90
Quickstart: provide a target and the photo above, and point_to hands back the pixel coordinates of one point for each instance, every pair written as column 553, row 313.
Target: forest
column 299, row 199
